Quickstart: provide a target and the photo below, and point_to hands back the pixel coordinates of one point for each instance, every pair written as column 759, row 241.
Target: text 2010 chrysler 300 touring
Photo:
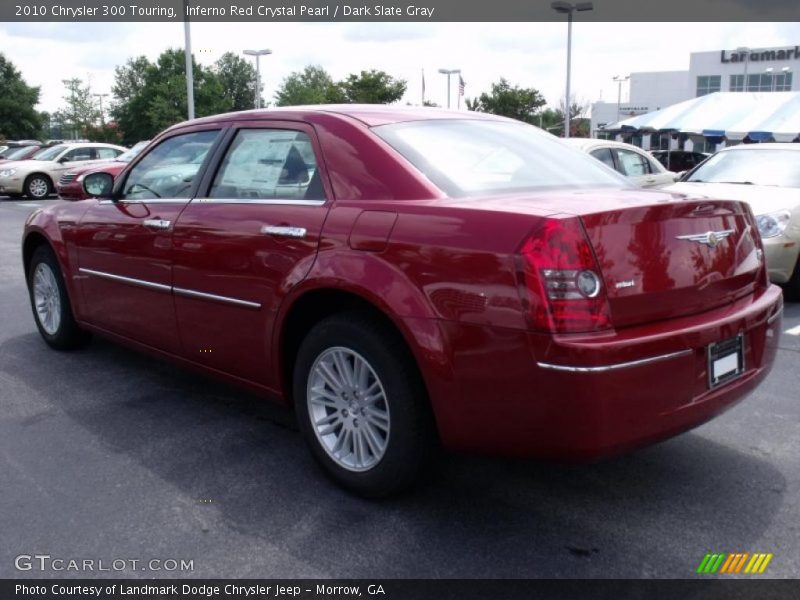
column 408, row 277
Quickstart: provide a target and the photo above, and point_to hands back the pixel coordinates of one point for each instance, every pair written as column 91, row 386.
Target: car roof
column 585, row 143
column 764, row 146
column 371, row 115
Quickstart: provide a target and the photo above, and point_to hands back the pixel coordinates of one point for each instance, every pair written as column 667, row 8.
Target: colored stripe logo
column 734, row 563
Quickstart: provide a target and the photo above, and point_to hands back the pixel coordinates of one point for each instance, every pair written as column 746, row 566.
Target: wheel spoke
column 352, row 428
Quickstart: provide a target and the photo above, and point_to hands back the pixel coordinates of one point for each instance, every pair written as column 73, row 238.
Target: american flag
column 461, row 85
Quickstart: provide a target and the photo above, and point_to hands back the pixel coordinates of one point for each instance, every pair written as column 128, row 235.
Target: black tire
column 410, row 444
column 791, row 289
column 67, row 335
column 38, row 186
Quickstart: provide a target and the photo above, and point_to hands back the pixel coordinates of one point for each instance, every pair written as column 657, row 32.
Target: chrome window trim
column 129, row 280
column 150, row 201
column 215, row 298
column 269, row 201
column 614, row 367
column 170, row 289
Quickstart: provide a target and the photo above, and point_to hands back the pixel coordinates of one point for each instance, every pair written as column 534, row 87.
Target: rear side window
column 79, row 154
column 107, row 152
column 169, row 169
column 266, row 164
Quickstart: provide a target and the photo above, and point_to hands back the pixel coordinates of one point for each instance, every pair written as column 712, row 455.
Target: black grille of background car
column 66, row 178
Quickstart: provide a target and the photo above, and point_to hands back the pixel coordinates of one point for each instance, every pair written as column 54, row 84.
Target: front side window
column 469, row 156
column 266, row 164
column 632, row 163
column 79, row 154
column 169, row 169
column 604, row 156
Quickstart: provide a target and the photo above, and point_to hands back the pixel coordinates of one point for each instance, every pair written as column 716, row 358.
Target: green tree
column 152, row 96
column 510, row 101
column 80, row 111
column 238, row 79
column 131, row 98
column 18, row 116
column 373, row 87
column 312, row 85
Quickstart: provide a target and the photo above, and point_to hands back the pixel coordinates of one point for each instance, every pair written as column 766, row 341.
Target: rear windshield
column 468, row 157
column 759, row 166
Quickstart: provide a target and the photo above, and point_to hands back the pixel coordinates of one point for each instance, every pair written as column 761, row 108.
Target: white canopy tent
column 734, row 115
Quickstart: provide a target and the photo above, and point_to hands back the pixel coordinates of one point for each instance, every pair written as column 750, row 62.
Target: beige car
column 639, row 166
column 36, row 176
column 767, row 177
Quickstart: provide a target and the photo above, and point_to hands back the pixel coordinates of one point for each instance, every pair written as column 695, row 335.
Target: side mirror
column 64, row 159
column 98, row 185
column 679, row 176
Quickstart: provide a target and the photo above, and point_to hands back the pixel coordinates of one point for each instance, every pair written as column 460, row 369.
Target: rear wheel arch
column 314, row 306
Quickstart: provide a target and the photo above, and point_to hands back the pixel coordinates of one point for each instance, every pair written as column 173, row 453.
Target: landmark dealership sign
column 760, row 55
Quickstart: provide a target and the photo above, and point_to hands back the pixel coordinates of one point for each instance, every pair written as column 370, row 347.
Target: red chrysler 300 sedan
column 413, row 277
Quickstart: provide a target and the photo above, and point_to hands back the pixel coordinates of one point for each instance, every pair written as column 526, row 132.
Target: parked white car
column 766, row 176
column 633, row 162
column 36, row 176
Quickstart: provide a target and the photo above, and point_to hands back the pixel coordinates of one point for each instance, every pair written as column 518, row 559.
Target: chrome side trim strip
column 147, row 201
column 614, row 367
column 168, row 288
column 216, row 298
column 277, row 201
column 129, row 280
column 775, row 315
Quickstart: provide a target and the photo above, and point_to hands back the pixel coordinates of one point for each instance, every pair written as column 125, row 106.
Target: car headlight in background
column 79, row 178
column 773, row 224
column 7, row 172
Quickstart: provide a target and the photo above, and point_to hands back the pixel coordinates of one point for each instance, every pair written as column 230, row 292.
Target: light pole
column 449, row 72
column 187, row 35
column 784, row 71
column 102, row 119
column 258, row 54
column 620, row 79
column 567, row 9
column 746, row 51
column 769, row 71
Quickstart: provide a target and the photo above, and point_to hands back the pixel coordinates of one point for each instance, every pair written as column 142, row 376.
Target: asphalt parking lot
column 106, row 454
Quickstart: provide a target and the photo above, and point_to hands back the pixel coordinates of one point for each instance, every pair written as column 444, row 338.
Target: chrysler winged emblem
column 709, row 238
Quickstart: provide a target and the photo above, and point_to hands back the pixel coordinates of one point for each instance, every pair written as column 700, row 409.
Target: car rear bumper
column 579, row 398
column 781, row 255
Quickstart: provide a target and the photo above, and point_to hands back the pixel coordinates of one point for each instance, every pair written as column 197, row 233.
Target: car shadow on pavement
column 653, row 513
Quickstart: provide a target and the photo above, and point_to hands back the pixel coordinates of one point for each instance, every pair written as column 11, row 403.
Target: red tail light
column 564, row 284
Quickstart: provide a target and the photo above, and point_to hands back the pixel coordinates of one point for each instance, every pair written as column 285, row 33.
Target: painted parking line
column 793, row 331
column 29, row 204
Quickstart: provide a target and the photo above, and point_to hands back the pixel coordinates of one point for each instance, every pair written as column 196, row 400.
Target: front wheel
column 51, row 308
column 38, row 187
column 361, row 405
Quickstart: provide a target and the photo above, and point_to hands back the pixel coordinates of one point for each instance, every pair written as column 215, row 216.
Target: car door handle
column 157, row 223
column 284, row 231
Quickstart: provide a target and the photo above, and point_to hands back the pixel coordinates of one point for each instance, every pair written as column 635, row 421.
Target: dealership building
column 736, row 70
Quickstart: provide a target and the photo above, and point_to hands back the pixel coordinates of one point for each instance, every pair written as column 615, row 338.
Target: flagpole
column 423, row 87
